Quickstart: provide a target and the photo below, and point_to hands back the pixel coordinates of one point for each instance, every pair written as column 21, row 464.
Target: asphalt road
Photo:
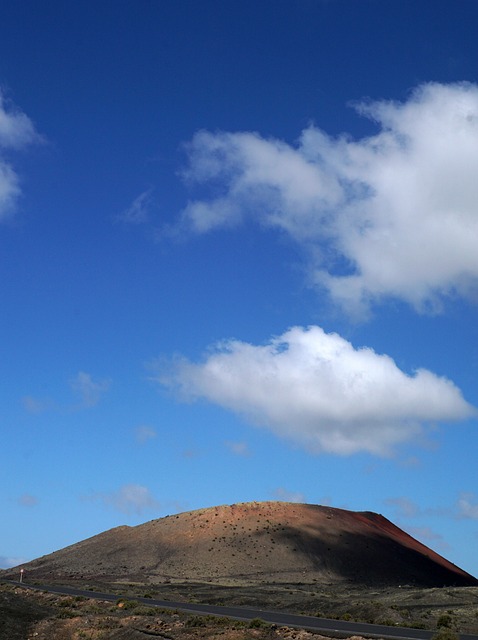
column 335, row 628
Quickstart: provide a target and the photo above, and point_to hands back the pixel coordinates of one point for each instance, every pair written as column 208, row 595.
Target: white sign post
column 21, row 575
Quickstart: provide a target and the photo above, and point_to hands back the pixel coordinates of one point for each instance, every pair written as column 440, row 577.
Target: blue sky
column 238, row 255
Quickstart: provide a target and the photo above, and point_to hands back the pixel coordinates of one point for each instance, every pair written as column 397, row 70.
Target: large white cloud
column 394, row 214
column 16, row 131
column 317, row 390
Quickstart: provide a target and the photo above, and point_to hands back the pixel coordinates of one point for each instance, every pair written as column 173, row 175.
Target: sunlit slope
column 258, row 542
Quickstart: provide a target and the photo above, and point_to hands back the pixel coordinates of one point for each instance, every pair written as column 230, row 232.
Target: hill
column 259, row 542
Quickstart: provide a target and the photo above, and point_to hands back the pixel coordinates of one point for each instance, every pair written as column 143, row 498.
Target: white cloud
column 130, row 499
column 9, row 189
column 16, row 131
column 317, row 390
column 144, row 433
column 468, row 506
column 138, row 211
column 391, row 215
column 89, row 390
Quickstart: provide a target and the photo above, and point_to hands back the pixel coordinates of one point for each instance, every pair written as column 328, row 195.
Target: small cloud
column 89, row 390
column 288, row 496
column 404, row 506
column 7, row 562
column 190, row 453
column 16, row 132
column 238, row 448
column 27, row 500
column 16, row 128
column 138, row 211
column 412, row 462
column 426, row 535
column 34, row 405
column 468, row 506
column 144, row 433
column 130, row 499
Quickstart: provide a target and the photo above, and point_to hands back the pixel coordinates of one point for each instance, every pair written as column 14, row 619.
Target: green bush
column 208, row 620
column 444, row 621
column 445, row 634
column 258, row 623
column 144, row 610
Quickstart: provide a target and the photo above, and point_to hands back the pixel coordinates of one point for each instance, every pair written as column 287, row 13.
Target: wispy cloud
column 88, row 389
column 36, row 405
column 16, row 132
column 468, row 506
column 238, row 448
column 405, row 507
column 428, row 536
column 7, row 562
column 27, row 500
column 144, row 433
column 391, row 215
column 317, row 390
column 409, row 511
column 288, row 496
column 130, row 499
column 138, row 211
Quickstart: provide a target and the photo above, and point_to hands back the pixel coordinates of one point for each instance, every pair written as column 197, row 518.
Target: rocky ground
column 33, row 615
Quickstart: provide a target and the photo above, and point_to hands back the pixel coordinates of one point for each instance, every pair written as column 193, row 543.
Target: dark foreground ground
column 32, row 615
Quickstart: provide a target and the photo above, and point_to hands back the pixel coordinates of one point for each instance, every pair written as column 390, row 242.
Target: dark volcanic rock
column 255, row 542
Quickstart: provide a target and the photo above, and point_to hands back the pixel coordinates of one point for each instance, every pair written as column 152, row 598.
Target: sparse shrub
column 66, row 613
column 80, row 598
column 445, row 634
column 208, row 620
column 416, row 624
column 93, row 609
column 107, row 623
column 257, row 623
column 444, row 621
column 196, row 621
column 127, row 604
column 144, row 610
column 67, row 602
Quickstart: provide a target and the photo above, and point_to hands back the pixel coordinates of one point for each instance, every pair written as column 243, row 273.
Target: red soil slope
column 256, row 542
